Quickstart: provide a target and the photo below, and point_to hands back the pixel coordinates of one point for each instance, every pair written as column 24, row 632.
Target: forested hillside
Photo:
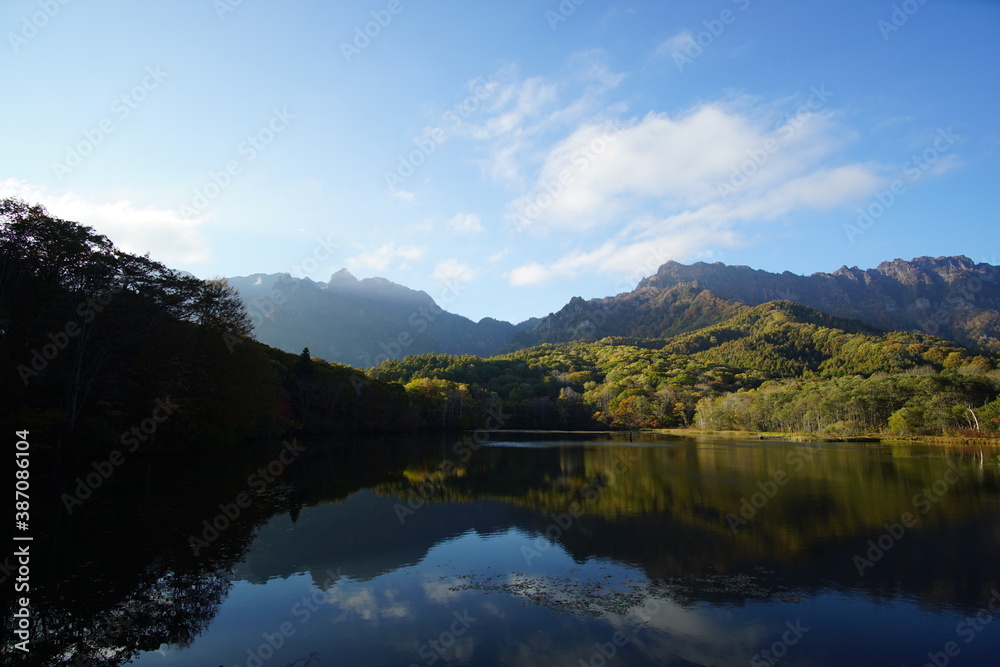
column 99, row 346
column 863, row 380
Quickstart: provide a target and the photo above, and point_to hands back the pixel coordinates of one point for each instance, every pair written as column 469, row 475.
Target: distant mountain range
column 360, row 322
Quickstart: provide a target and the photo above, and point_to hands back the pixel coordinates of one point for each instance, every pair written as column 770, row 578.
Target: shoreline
column 812, row 437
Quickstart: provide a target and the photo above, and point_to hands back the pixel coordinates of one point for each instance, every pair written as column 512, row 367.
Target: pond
column 525, row 549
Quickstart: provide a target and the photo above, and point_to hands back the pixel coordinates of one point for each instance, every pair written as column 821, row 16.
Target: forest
column 100, row 346
column 96, row 342
column 784, row 375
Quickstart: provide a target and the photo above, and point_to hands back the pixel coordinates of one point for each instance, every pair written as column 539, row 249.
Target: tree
column 74, row 309
column 907, row 421
column 216, row 304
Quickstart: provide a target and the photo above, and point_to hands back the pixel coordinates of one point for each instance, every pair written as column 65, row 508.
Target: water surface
column 531, row 549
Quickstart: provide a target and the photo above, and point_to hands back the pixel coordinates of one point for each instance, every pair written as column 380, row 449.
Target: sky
column 505, row 157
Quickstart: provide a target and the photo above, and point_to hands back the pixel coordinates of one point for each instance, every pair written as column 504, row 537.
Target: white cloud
column 364, row 601
column 403, row 195
column 600, row 172
column 533, row 274
column 465, row 223
column 421, row 227
column 442, row 591
column 630, row 258
column 167, row 235
column 676, row 186
column 453, row 270
column 385, row 256
column 397, row 611
column 411, row 252
column 360, row 600
column 678, row 43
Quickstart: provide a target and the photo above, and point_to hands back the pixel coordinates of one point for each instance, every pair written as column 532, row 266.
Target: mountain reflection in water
column 532, row 549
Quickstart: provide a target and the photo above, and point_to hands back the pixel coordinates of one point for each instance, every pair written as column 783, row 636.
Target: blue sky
column 505, row 157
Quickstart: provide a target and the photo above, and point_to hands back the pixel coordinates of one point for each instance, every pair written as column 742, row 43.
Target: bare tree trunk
column 974, row 417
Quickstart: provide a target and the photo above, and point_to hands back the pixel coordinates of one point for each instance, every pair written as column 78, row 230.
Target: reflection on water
column 530, row 549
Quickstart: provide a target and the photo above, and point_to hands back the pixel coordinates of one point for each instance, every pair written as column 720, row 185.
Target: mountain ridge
column 937, row 295
column 361, row 322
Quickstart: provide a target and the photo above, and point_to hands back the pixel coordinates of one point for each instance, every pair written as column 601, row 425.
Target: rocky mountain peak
column 342, row 277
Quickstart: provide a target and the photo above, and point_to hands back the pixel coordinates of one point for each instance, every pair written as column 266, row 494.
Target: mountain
column 360, row 322
column 951, row 297
column 643, row 313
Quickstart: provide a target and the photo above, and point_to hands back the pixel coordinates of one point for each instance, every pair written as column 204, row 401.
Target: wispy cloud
column 453, row 270
column 385, row 257
column 515, row 104
column 403, row 195
column 677, row 43
column 523, row 111
column 465, row 223
column 630, row 257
